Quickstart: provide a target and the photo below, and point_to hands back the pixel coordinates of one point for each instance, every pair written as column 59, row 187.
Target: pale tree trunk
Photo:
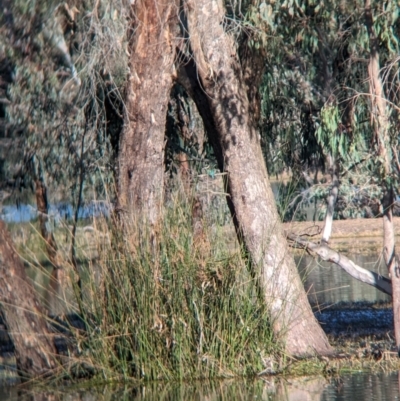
column 23, row 316
column 382, row 140
column 141, row 154
column 331, row 200
column 252, row 199
column 327, row 80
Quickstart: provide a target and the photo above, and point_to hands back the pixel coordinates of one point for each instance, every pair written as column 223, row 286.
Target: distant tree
column 64, row 101
column 352, row 88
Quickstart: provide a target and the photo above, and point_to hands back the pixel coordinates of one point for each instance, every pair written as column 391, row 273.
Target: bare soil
column 363, row 234
column 345, row 228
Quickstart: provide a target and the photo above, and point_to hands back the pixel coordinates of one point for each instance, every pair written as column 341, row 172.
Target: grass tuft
column 187, row 310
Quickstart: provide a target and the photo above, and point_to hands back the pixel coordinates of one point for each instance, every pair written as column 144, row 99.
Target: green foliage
column 315, row 93
column 332, row 142
column 69, row 69
column 315, row 101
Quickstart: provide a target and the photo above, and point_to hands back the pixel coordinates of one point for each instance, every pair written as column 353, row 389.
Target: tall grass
column 184, row 308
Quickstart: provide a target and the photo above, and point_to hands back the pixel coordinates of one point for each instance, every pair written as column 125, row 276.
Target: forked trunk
column 252, row 199
column 26, row 325
column 141, row 159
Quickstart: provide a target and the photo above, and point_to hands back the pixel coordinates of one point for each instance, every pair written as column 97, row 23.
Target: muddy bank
column 352, row 322
column 352, row 228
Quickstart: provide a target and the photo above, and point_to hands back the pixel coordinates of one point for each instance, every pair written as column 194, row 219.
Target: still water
column 358, row 386
column 326, row 284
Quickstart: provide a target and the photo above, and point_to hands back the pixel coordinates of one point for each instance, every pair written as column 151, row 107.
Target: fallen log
column 328, row 254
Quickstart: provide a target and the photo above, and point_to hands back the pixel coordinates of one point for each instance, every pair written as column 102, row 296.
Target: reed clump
column 176, row 307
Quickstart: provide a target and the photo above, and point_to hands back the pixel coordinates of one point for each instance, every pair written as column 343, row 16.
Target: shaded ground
column 359, row 319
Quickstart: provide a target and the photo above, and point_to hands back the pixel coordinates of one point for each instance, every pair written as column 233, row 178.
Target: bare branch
column 328, row 254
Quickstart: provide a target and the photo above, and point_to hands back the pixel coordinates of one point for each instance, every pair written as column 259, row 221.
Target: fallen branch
column 328, row 254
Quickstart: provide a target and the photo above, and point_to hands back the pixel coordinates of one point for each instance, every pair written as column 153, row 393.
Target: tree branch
column 328, row 254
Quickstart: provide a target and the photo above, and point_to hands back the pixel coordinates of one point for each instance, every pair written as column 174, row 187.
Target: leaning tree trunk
column 382, row 139
column 248, row 184
column 23, row 317
column 141, row 154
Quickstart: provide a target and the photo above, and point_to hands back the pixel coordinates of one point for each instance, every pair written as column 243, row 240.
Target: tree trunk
column 47, row 234
column 43, row 213
column 26, row 325
column 253, row 202
column 141, row 152
column 381, row 131
column 331, row 200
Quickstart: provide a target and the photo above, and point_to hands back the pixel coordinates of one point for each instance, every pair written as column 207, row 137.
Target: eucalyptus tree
column 384, row 147
column 341, row 67
column 214, row 78
column 315, row 106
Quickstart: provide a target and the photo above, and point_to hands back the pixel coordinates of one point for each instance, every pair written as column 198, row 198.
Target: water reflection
column 362, row 386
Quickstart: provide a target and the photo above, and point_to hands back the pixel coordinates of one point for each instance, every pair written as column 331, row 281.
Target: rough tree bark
column 380, row 121
column 253, row 203
column 141, row 152
column 23, row 316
